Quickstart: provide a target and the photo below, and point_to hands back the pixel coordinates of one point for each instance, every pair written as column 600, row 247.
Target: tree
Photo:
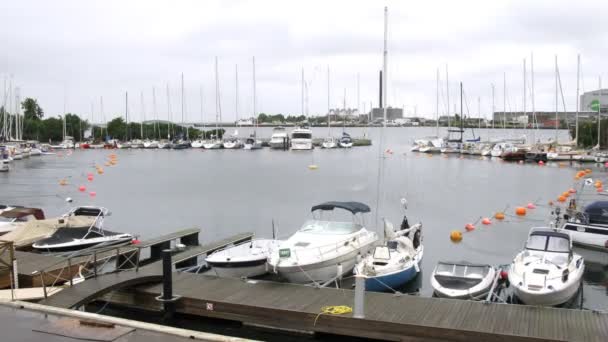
column 31, row 109
column 117, row 128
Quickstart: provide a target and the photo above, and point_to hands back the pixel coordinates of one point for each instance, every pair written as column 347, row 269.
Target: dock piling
column 359, row 309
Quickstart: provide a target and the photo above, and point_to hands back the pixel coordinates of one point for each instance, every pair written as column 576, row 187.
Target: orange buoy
column 100, row 171
column 531, row 206
column 588, row 171
column 456, row 236
column 486, row 221
column 561, row 199
column 63, row 182
column 499, row 216
column 566, row 194
column 520, row 211
column 108, row 164
column 469, row 227
column 82, row 188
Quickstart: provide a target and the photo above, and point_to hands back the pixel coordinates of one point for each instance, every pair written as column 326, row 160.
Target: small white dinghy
column 462, row 280
column 244, row 260
column 547, row 271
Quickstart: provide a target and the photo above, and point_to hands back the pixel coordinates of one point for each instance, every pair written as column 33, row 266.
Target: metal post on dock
column 167, row 297
column 359, row 309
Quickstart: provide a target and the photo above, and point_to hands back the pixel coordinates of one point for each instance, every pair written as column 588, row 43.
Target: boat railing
column 88, row 263
column 322, row 251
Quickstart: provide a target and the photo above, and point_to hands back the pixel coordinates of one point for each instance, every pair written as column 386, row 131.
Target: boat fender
column 565, row 275
column 417, row 268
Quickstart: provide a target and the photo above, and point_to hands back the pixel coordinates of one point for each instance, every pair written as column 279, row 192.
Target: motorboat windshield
column 330, row 227
column 301, row 135
column 554, row 243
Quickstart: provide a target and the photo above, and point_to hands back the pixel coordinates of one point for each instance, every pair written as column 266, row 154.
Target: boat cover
column 29, row 232
column 597, row 212
column 353, row 207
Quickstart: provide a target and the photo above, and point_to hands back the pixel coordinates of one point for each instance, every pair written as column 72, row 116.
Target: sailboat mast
column 103, row 117
column 169, row 116
column 524, row 104
column 156, row 123
column 127, row 114
column 202, row 118
column 447, row 90
column 493, row 106
column 380, row 146
column 344, row 115
column 599, row 111
column 236, row 92
column 437, row 106
column 479, row 111
column 255, row 117
column 358, row 95
column 92, row 122
column 578, row 73
column 218, row 108
column 534, row 120
column 556, row 105
column 302, row 91
column 504, row 100
column 143, row 116
column 461, row 114
column 328, row 105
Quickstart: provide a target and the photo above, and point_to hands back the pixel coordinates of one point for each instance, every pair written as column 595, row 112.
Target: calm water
column 151, row 192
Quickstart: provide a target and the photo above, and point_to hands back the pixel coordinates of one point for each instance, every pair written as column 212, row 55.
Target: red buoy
column 82, row 188
column 469, row 227
column 486, row 221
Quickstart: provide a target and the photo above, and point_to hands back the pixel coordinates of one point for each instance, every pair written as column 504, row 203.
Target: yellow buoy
column 312, row 167
column 456, row 236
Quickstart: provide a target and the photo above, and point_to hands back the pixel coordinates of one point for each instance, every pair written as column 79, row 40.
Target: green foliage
column 587, row 134
column 50, row 129
column 31, row 109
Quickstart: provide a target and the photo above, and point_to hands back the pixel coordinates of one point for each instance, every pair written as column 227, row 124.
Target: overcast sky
column 83, row 50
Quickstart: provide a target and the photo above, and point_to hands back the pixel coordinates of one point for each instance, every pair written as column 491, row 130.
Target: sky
column 70, row 54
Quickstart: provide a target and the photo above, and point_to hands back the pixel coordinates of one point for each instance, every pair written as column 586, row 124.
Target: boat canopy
column 353, row 207
column 597, row 212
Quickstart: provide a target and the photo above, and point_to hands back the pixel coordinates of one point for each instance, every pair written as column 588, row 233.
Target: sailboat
column 215, row 142
column 329, row 141
column 345, row 140
column 432, row 144
column 454, row 145
column 233, row 142
column 198, row 143
column 253, row 143
column 397, row 261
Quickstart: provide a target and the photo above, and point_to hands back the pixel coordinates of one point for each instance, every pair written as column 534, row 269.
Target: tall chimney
column 380, row 91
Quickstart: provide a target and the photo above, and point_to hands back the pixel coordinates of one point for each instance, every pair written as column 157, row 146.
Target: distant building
column 589, row 101
column 392, row 114
column 544, row 119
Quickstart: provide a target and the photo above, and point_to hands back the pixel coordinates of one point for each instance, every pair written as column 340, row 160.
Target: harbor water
column 152, row 192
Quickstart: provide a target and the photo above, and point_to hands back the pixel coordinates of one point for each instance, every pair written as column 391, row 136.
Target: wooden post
column 359, row 309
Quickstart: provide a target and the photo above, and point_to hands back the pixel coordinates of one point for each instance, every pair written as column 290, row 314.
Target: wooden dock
column 387, row 317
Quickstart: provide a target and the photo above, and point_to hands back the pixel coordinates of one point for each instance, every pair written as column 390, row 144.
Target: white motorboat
column 547, row 271
column 213, row 144
column 164, row 144
column 396, row 262
column 588, row 228
column 432, row 146
column 244, row 260
column 232, row 143
column 68, row 142
column 150, row 144
column 462, row 280
column 198, row 143
column 501, row 148
column 136, row 143
column 329, row 142
column 123, row 145
column 77, row 238
column 301, row 139
column 252, row 143
column 346, row 141
column 279, row 138
column 322, row 250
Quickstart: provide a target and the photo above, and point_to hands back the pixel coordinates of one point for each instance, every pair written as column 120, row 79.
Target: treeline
column 118, row 129
column 587, row 134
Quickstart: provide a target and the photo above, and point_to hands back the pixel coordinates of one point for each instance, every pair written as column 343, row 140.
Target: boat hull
column 240, row 269
column 553, row 298
column 79, row 244
column 390, row 282
column 324, row 270
column 587, row 236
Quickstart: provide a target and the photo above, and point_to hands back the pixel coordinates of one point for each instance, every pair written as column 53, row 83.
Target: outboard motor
column 405, row 224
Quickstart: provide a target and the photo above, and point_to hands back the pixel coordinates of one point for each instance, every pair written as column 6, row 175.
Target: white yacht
column 329, row 142
column 232, row 143
column 346, row 141
column 198, row 143
column 4, row 165
column 301, row 139
column 213, row 144
column 547, row 271
column 279, row 138
column 321, row 249
column 433, row 145
column 588, row 228
column 252, row 143
column 150, row 144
